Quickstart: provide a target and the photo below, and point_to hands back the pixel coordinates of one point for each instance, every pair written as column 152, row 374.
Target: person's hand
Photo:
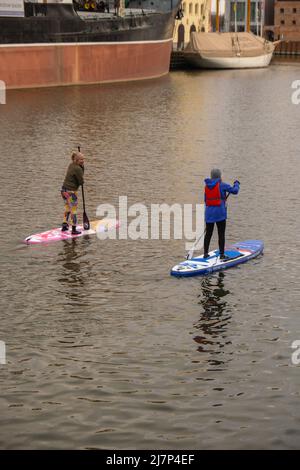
column 237, row 181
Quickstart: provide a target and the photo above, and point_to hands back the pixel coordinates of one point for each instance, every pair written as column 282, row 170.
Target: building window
column 282, row 22
column 191, row 9
column 294, row 21
column 183, row 7
column 197, row 9
column 281, row 10
column 294, row 10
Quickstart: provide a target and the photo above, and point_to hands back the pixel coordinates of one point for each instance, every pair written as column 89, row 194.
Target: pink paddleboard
column 56, row 234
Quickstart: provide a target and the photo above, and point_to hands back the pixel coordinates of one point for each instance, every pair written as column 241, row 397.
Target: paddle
column 191, row 252
column 86, row 222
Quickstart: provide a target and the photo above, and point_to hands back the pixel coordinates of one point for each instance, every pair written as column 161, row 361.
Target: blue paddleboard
column 237, row 253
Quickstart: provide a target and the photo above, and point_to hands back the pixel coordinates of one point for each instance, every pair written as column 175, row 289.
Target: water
column 106, row 350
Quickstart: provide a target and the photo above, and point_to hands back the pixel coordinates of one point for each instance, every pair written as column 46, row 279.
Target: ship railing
column 106, row 8
column 95, row 15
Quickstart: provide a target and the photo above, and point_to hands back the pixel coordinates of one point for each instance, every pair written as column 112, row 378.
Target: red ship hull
column 45, row 65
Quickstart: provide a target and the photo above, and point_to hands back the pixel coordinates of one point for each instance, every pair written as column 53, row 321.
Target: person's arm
column 79, row 175
column 231, row 189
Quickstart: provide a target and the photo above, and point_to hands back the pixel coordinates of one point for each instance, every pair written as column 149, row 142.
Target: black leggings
column 221, row 232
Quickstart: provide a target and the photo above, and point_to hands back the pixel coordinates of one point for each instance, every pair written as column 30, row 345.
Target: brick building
column 287, row 20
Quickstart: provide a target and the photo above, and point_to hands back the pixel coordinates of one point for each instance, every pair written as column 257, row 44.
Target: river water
column 104, row 349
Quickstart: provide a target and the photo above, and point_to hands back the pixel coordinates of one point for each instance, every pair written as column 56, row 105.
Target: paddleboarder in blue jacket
column 215, row 195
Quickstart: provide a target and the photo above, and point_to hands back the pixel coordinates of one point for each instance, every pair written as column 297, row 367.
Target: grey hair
column 215, row 173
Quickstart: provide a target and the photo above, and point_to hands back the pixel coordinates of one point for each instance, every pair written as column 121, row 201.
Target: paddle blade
column 86, row 222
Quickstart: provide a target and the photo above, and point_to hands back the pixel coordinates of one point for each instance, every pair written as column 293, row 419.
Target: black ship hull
column 60, row 23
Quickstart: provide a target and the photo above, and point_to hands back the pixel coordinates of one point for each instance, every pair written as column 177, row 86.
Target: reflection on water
column 212, row 296
column 74, row 272
column 104, row 348
column 71, row 260
column 214, row 318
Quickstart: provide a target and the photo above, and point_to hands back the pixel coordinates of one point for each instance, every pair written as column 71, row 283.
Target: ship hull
column 236, row 62
column 228, row 51
column 62, row 48
column 60, row 64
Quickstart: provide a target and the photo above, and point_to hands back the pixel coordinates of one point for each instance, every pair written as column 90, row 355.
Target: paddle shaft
column 86, row 222
column 83, row 201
